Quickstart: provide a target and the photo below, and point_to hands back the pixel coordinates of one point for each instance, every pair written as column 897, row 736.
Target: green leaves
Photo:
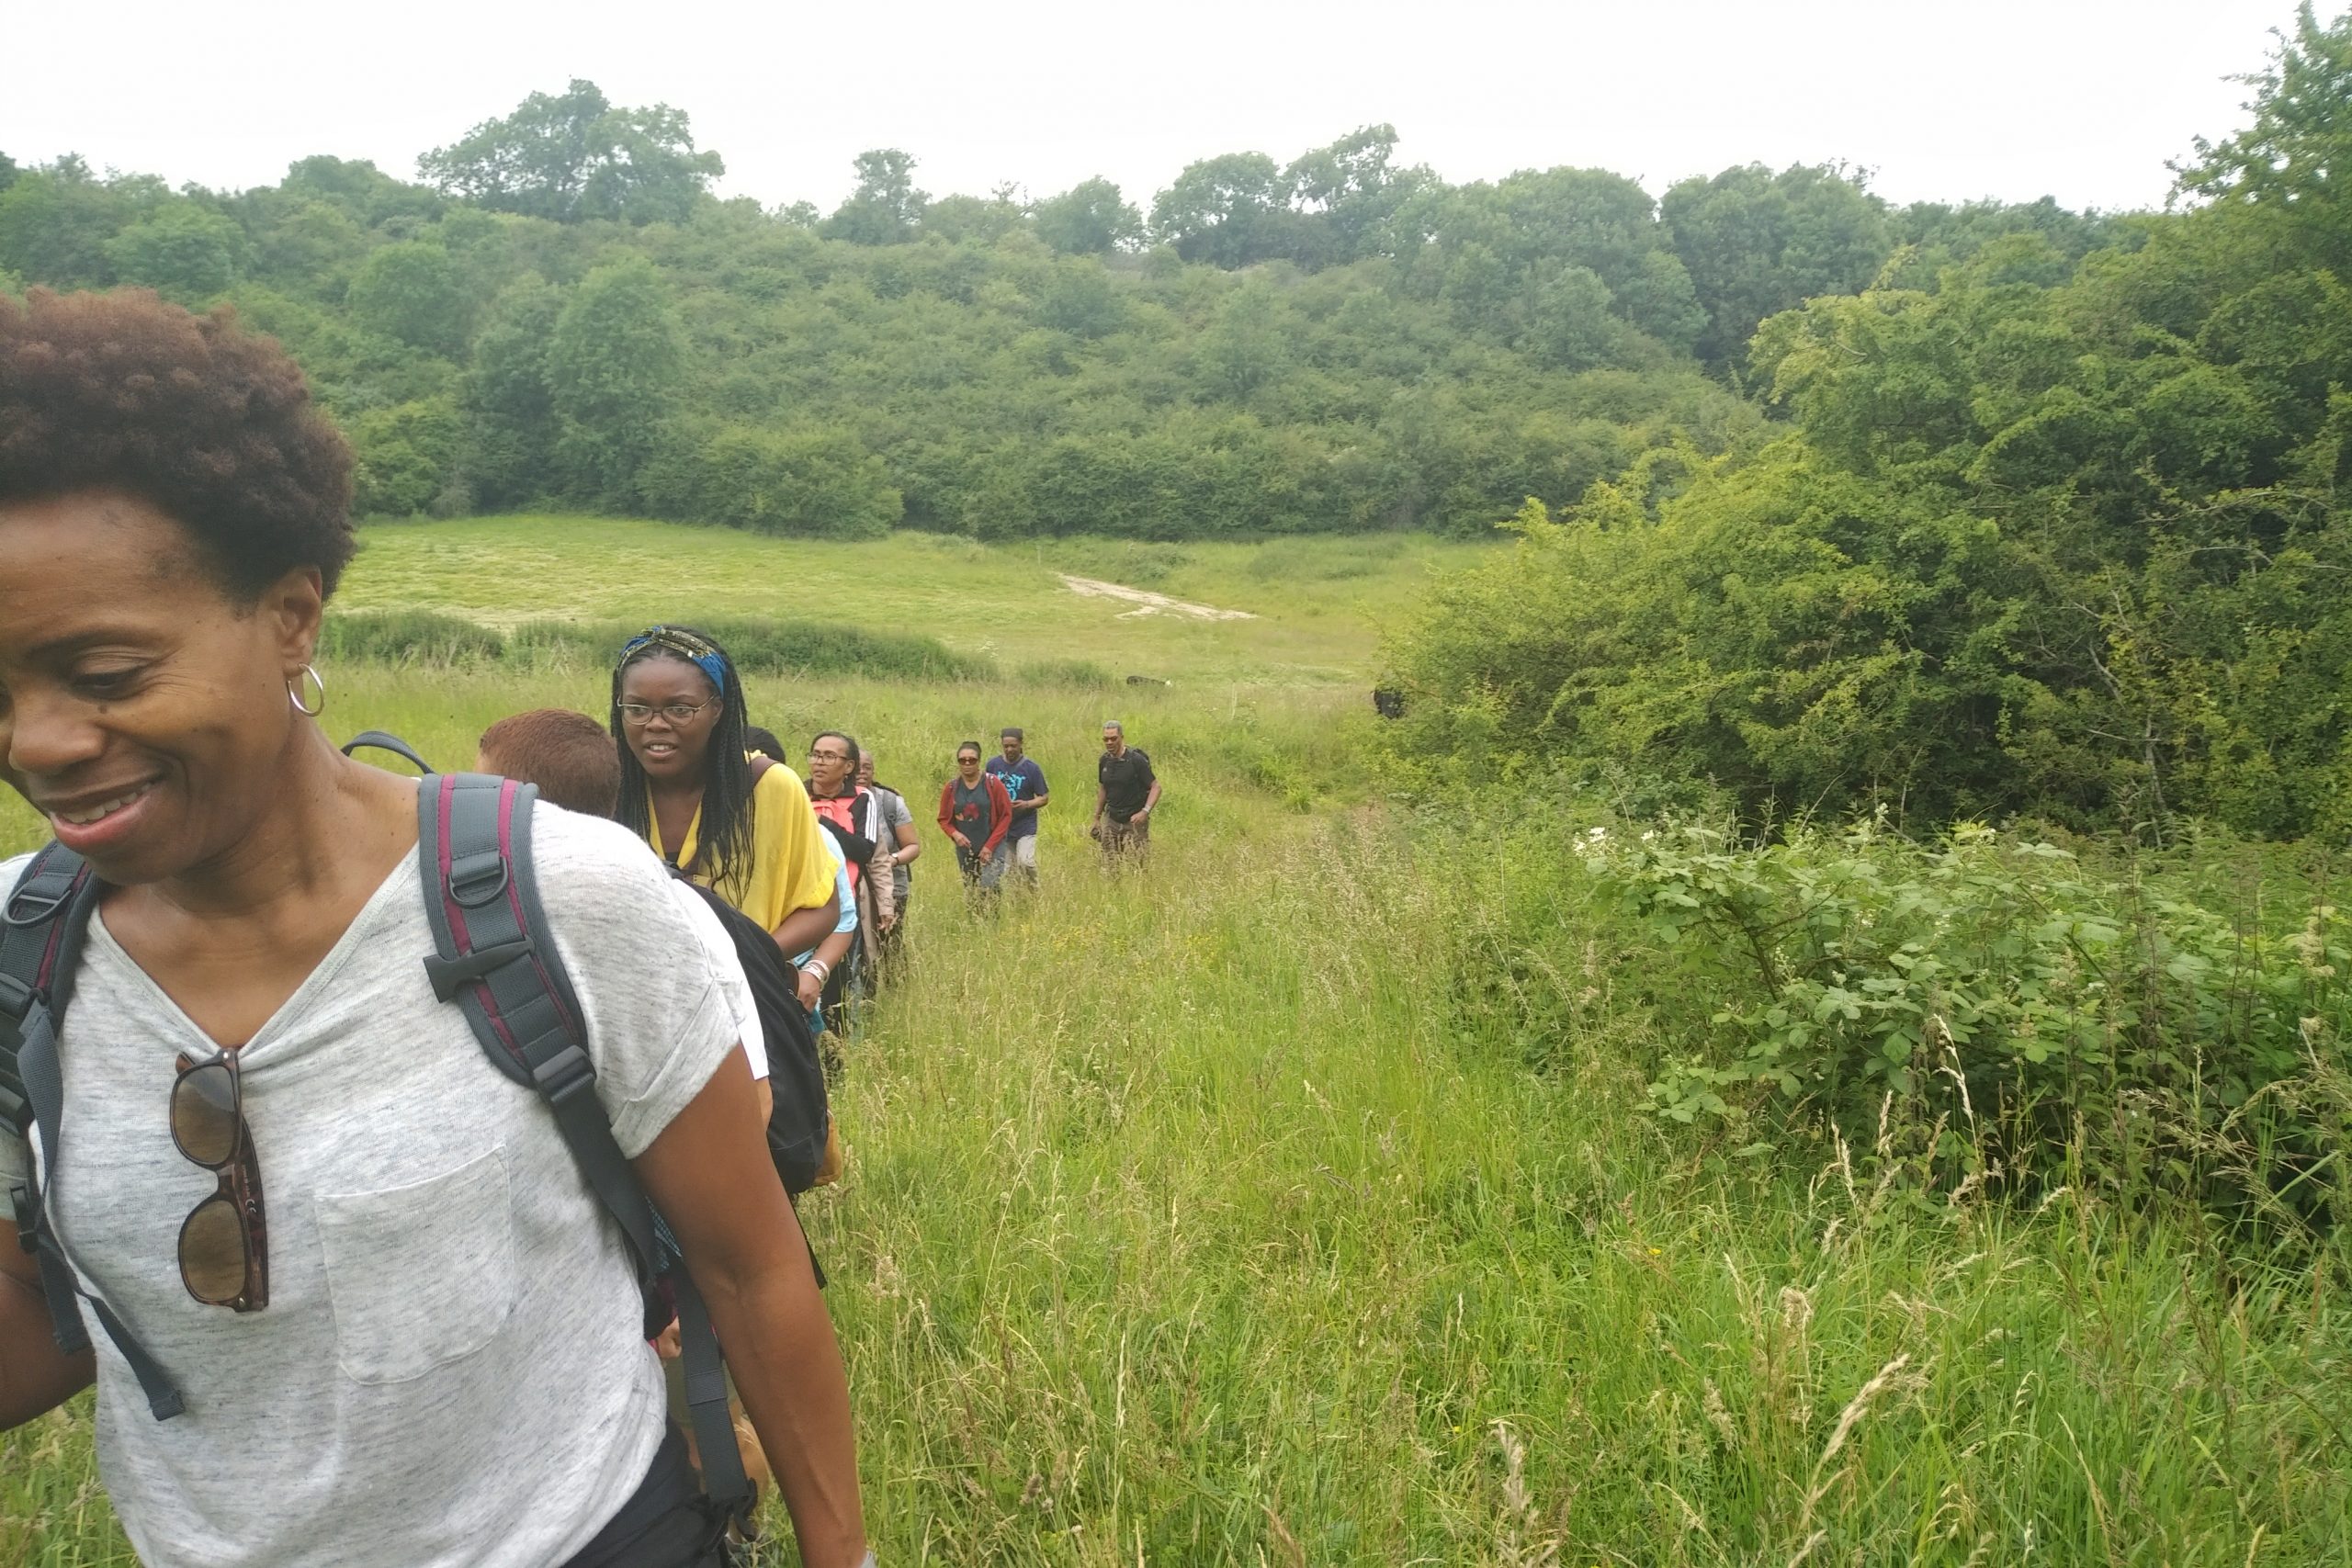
column 411, row 293
column 1845, row 968
column 185, row 251
column 1090, row 218
column 2044, row 538
column 613, row 368
column 575, row 156
column 805, row 481
column 884, row 207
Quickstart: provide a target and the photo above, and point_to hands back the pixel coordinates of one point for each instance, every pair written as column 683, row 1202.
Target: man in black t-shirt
column 1124, row 799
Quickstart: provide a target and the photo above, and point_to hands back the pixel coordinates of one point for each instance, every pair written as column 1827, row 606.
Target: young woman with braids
column 689, row 790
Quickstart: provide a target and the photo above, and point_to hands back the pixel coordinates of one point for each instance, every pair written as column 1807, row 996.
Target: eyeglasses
column 829, row 756
column 224, row 1241
column 676, row 713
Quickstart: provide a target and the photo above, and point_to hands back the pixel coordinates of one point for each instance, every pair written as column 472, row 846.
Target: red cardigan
column 1000, row 807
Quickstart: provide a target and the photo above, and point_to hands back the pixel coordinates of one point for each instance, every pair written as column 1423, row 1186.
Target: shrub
column 1982, row 1011
column 758, row 647
column 407, row 458
column 407, row 636
column 2017, row 1003
column 806, row 482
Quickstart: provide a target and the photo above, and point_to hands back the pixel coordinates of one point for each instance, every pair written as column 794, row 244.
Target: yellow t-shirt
column 789, row 870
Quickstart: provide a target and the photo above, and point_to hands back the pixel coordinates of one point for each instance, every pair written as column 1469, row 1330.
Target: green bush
column 407, row 457
column 758, row 647
column 2019, row 1002
column 1984, row 1010
column 407, row 636
column 1079, row 672
column 809, row 484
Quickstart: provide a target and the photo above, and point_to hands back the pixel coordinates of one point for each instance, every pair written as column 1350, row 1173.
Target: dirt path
column 1148, row 603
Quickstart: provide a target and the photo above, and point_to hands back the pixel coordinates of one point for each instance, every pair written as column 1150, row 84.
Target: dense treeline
column 563, row 313
column 2042, row 532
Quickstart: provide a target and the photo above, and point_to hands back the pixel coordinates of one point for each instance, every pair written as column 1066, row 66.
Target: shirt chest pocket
column 420, row 1275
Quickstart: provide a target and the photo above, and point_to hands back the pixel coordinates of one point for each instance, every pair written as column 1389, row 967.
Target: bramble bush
column 2009, row 1009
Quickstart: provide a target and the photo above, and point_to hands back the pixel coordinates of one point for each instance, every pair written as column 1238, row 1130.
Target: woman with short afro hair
column 423, row 1346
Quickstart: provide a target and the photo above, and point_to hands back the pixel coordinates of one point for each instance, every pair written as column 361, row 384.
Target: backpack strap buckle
column 28, row 907
column 450, row 976
column 475, row 879
column 27, row 1212
column 563, row 1075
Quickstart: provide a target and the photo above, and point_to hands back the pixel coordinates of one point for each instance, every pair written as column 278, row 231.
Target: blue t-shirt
column 1024, row 782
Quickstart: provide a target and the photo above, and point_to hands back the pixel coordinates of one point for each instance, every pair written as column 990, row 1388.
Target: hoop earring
column 294, row 693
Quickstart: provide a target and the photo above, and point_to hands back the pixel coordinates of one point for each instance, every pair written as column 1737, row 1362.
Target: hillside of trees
column 2031, row 531
column 559, row 311
column 1827, row 505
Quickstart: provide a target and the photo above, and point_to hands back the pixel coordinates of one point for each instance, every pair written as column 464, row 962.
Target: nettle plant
column 1986, row 985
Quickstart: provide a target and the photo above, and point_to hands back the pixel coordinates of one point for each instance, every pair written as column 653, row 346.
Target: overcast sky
column 2080, row 99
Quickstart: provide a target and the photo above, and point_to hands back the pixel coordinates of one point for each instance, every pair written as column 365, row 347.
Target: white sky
column 2080, row 99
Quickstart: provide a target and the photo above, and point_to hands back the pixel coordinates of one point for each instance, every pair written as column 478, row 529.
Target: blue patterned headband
column 702, row 655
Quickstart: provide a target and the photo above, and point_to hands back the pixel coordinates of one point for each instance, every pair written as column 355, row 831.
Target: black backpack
column 799, row 1119
column 799, row 1122
column 493, row 957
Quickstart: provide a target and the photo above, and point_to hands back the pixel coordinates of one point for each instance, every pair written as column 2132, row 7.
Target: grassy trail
column 1192, row 1233
column 1185, row 1226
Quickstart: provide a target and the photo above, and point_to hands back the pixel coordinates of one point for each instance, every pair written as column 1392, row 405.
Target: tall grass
column 1196, row 1230
column 1190, row 1218
column 757, row 647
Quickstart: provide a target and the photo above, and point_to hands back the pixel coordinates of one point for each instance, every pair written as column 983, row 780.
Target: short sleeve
column 1038, row 771
column 802, row 875
column 659, row 1024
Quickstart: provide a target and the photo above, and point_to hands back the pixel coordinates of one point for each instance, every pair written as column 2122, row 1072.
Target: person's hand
column 809, row 989
column 665, row 1343
column 961, row 843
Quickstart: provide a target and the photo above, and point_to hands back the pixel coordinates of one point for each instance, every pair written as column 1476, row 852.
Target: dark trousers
column 666, row 1523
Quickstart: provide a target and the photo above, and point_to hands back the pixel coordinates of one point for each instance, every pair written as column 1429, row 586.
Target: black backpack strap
column 384, row 740
column 497, row 961
column 42, row 928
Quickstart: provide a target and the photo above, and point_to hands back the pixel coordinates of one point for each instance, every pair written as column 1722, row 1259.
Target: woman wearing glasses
column 390, row 1325
column 742, row 826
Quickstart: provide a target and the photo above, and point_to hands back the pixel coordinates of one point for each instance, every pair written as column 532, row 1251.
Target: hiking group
column 990, row 814
column 428, row 1196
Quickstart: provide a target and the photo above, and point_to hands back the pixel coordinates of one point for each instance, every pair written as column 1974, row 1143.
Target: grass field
column 1314, row 603
column 1188, row 1222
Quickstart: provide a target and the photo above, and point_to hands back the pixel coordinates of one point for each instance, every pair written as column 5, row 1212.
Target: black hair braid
column 723, row 839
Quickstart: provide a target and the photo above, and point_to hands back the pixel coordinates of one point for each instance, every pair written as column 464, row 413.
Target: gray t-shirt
column 895, row 816
column 452, row 1370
